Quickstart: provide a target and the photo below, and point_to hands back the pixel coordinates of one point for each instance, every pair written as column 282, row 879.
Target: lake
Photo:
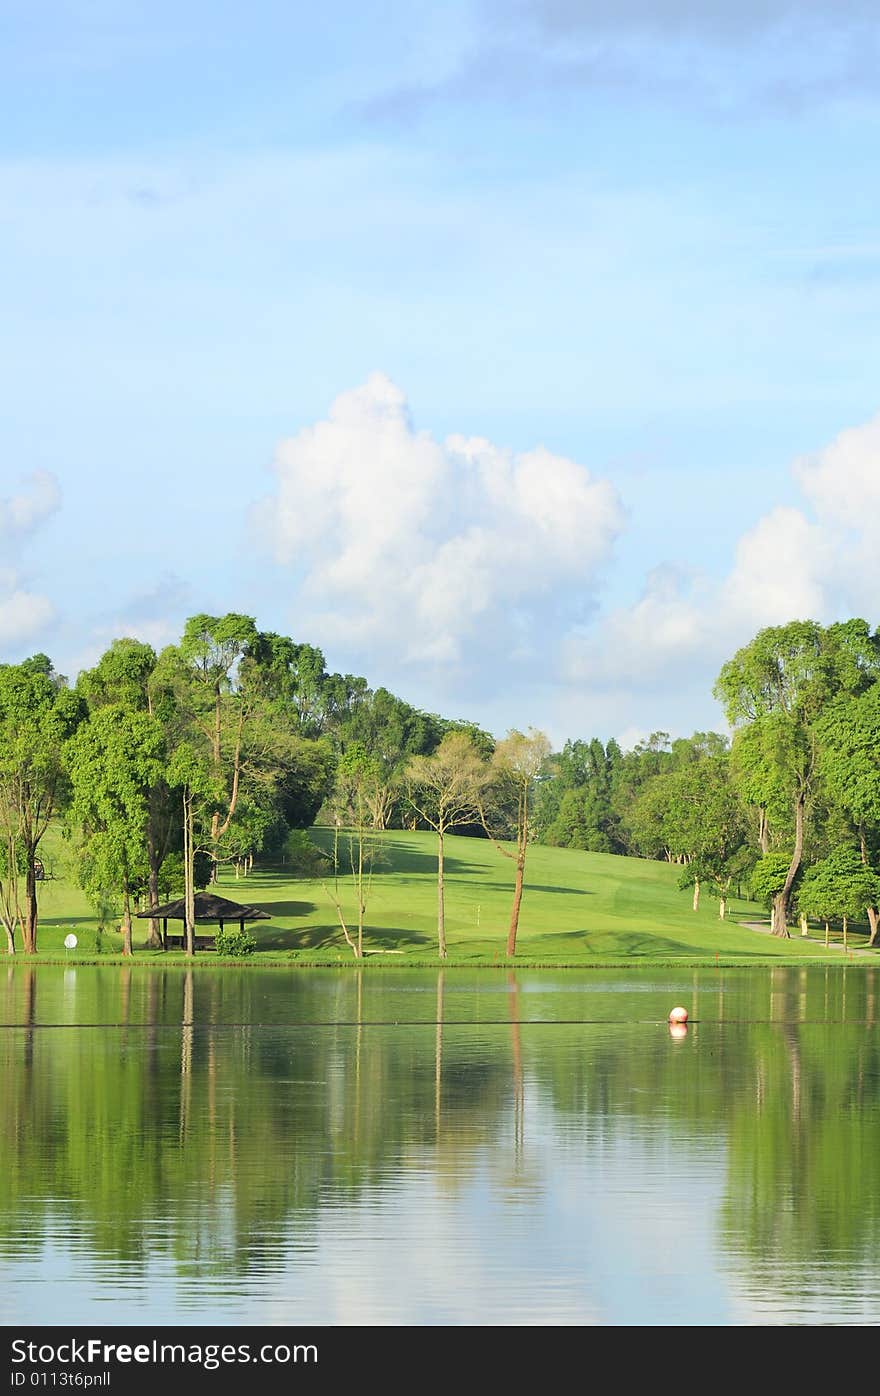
column 393, row 1146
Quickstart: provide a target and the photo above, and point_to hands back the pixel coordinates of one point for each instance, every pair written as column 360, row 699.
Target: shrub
column 302, row 857
column 238, row 944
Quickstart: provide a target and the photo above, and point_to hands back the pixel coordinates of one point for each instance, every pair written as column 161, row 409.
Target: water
column 435, row 1148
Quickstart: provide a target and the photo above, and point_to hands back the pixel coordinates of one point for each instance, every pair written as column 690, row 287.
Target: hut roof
column 208, row 907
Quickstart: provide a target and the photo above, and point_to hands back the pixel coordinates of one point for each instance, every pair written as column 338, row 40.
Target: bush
column 302, row 857
column 238, row 944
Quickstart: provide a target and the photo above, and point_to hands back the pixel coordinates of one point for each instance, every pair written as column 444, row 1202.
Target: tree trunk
column 696, row 894
column 10, row 939
column 874, row 921
column 189, row 891
column 763, row 832
column 126, row 924
column 805, row 929
column 779, row 923
column 154, row 939
column 441, row 903
column 827, row 935
column 360, row 892
column 517, row 900
column 722, row 908
column 29, row 929
column 845, row 943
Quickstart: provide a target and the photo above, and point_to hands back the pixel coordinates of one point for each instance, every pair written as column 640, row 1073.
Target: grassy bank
column 579, row 909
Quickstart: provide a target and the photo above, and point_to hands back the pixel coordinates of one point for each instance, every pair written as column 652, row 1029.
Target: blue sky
column 522, row 355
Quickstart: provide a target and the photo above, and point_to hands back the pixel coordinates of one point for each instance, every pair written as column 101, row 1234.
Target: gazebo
column 208, row 907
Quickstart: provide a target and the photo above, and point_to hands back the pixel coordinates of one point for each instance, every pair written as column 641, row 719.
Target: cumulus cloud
column 812, row 561
column 22, row 613
column 433, row 551
column 781, row 570
column 784, row 569
column 817, row 561
column 843, row 481
column 634, row 644
column 38, row 498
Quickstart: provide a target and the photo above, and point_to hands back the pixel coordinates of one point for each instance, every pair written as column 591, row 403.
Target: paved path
column 764, row 928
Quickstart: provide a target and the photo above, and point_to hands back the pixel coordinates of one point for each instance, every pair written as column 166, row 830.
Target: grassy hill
column 578, row 909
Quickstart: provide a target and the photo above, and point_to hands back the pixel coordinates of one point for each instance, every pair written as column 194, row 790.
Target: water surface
column 461, row 1147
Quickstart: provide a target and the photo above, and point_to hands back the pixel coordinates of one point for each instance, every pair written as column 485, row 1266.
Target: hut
column 208, row 907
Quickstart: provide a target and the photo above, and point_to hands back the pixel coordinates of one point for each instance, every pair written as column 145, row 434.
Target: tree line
column 788, row 806
column 164, row 767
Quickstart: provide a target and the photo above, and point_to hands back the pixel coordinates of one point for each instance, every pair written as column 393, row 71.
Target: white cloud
column 781, row 571
column 787, row 566
column 633, row 644
column 433, row 552
column 843, row 481
column 22, row 614
column 39, row 497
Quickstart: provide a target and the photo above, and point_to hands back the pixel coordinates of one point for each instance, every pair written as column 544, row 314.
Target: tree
column 38, row 715
column 849, row 761
column 356, row 779
column 517, row 762
column 768, row 877
column 774, row 690
column 838, row 886
column 11, row 870
column 115, row 760
column 694, row 811
column 211, row 650
column 573, row 807
column 127, row 677
column 445, row 791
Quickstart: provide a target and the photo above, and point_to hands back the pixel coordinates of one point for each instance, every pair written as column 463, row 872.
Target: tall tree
column 838, row 886
column 212, row 648
column 11, row 870
column 517, row 763
column 354, row 824
column 38, row 715
column 115, row 760
column 445, row 790
column 694, row 813
column 774, row 690
column 127, row 677
column 849, row 734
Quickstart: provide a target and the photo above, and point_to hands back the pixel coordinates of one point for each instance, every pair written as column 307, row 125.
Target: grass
column 579, row 909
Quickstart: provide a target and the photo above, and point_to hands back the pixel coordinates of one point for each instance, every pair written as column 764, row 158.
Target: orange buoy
column 678, row 1015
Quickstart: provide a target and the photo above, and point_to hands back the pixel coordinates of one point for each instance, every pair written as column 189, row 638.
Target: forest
column 226, row 747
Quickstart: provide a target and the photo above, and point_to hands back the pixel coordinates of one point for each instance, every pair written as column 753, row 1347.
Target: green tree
column 126, row 677
column 211, row 651
column 115, row 759
column 517, row 763
column 38, row 715
column 774, row 690
column 849, row 735
column 354, row 803
column 840, row 886
column 12, row 869
column 445, row 790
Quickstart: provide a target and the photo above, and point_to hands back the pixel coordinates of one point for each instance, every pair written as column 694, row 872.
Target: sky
column 521, row 354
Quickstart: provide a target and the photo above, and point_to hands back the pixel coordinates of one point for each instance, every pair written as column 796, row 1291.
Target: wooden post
column 164, row 932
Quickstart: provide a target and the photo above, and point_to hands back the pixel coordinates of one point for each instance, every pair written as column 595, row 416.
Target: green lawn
column 578, row 909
